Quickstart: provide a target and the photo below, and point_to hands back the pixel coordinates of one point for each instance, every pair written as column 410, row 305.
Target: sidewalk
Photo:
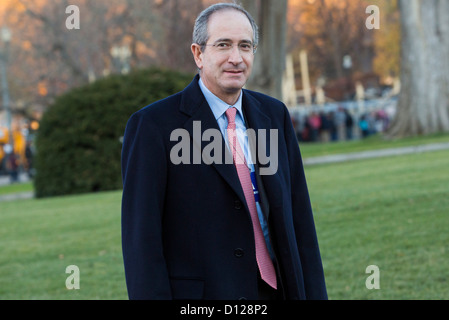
column 336, row 158
column 17, row 196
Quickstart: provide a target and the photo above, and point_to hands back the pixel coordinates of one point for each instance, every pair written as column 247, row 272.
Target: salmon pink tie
column 264, row 262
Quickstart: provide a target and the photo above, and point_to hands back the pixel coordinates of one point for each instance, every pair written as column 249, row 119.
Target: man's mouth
column 234, row 71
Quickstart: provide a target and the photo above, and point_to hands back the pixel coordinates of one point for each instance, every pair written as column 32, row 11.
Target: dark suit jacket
column 186, row 229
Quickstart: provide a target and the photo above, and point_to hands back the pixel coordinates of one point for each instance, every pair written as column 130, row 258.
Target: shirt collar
column 217, row 105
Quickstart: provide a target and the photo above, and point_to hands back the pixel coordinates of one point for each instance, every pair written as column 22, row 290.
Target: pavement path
column 307, row 162
column 17, row 196
column 23, row 178
column 376, row 154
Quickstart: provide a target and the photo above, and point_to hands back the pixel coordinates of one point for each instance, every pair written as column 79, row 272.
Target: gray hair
column 200, row 31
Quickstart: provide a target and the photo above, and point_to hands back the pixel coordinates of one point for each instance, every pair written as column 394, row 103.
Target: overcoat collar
column 194, row 105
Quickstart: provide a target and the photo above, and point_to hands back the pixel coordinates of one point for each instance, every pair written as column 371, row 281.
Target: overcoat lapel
column 257, row 120
column 196, row 107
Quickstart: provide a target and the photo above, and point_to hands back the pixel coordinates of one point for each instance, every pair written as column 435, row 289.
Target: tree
column 387, row 41
column 423, row 106
column 47, row 59
column 329, row 30
column 269, row 64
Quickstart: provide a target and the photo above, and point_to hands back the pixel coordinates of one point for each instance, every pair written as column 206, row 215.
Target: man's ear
column 197, row 55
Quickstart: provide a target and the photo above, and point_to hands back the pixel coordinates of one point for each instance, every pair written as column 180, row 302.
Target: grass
column 40, row 238
column 16, row 188
column 389, row 212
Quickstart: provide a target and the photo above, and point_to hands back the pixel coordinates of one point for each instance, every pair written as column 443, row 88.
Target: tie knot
column 230, row 114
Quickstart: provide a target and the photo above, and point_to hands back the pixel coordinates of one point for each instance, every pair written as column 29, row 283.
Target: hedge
column 79, row 140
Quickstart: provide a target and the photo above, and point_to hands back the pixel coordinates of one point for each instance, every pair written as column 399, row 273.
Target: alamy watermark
column 73, row 20
column 73, row 280
column 373, row 281
column 186, row 152
column 373, row 21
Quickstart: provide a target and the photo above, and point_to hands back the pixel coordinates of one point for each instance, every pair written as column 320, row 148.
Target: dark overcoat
column 186, row 228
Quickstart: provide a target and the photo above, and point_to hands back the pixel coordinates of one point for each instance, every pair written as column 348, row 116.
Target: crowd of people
column 338, row 125
column 13, row 164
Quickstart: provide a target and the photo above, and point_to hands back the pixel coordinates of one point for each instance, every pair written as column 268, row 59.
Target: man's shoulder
column 155, row 116
column 261, row 97
column 169, row 106
column 162, row 106
column 267, row 104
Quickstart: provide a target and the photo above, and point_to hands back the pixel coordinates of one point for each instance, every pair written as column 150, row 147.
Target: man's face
column 225, row 72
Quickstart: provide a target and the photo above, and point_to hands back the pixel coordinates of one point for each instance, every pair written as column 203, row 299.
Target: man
column 191, row 228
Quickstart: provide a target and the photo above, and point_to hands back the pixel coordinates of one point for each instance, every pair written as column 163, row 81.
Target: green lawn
column 16, row 188
column 390, row 212
column 40, row 238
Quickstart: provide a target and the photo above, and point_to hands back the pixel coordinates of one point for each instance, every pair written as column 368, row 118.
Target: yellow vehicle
column 19, row 146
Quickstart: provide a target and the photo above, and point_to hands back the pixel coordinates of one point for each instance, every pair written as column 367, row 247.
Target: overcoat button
column 237, row 204
column 238, row 253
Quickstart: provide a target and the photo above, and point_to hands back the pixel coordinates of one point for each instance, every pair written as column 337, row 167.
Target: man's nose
column 235, row 56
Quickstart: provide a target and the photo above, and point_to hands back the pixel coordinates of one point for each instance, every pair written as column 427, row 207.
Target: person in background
column 349, row 123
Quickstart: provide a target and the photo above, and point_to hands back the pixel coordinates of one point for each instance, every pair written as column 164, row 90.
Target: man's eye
column 245, row 46
column 223, row 45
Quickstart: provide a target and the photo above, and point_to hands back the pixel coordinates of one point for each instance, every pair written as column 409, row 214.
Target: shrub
column 78, row 144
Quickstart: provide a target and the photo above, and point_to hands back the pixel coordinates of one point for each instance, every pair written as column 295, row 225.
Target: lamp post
column 347, row 65
column 121, row 57
column 6, row 38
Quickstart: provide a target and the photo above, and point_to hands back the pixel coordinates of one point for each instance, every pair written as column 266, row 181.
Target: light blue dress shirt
column 219, row 108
